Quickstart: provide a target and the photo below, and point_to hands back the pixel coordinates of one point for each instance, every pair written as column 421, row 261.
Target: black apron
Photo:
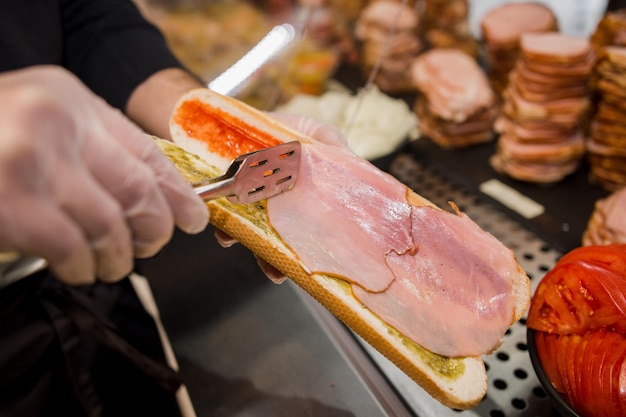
column 81, row 351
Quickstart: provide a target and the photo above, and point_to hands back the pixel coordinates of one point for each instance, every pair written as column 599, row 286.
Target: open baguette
column 458, row 383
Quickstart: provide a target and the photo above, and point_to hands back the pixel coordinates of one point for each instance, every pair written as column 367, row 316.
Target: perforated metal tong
column 256, row 175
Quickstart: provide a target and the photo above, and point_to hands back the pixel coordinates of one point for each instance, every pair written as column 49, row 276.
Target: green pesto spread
column 451, row 368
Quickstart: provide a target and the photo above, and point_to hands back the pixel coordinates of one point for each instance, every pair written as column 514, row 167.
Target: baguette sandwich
column 426, row 287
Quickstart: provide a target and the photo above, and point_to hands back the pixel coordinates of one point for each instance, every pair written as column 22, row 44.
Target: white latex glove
column 322, row 132
column 80, row 185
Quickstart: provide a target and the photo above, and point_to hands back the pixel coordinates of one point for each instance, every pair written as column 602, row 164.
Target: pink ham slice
column 449, row 299
column 615, row 221
column 343, row 216
column 503, row 25
column 430, row 273
column 453, row 82
column 555, row 47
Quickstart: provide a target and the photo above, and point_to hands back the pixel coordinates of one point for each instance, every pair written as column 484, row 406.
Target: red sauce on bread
column 223, row 134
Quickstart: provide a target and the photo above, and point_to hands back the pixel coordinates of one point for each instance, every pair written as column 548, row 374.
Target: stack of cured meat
column 501, row 29
column 606, row 145
column 387, row 40
column 611, row 30
column 445, row 24
column 546, row 105
column 456, row 106
column 607, row 224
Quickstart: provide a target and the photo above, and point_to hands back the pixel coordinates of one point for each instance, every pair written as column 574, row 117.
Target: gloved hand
column 80, row 185
column 321, row 132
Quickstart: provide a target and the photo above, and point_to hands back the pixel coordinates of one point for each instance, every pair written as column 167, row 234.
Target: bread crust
column 458, row 383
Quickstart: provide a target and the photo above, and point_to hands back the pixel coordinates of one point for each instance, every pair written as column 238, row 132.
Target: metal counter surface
column 247, row 347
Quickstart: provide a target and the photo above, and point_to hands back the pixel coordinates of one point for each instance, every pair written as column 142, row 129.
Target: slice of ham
column 605, row 229
column 440, row 280
column 535, row 133
column 528, row 72
column 346, row 218
column 614, row 219
column 453, row 82
column 556, row 91
column 567, row 109
column 573, row 70
column 566, row 150
column 341, row 213
column 503, row 25
column 554, row 48
column 615, row 55
column 540, row 173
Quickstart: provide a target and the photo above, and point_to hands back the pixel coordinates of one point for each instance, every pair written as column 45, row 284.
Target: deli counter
column 248, row 347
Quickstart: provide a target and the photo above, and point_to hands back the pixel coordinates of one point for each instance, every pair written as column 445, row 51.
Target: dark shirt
column 106, row 43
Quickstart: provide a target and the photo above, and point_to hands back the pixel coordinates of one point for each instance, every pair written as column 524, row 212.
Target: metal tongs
column 256, row 175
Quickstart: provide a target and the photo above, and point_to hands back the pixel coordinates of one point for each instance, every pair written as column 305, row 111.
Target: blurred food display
column 555, row 98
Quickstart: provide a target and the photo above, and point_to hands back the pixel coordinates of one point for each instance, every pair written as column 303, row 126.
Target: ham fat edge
column 431, row 275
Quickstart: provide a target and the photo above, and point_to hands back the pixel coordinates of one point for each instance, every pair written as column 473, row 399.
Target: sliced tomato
column 615, row 345
column 592, row 358
column 575, row 353
column 579, row 308
column 622, row 389
column 564, row 364
column 599, row 368
column 585, row 290
column 590, row 370
column 546, row 350
column 611, row 257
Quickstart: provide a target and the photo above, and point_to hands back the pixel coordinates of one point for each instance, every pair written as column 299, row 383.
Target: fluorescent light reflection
column 274, row 42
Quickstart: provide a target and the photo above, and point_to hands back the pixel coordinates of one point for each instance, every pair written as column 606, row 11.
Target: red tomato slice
column 615, row 344
column 622, row 388
column 590, row 370
column 576, row 349
column 582, row 292
column 598, row 370
column 564, row 365
column 612, row 257
column 546, row 350
column 592, row 358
